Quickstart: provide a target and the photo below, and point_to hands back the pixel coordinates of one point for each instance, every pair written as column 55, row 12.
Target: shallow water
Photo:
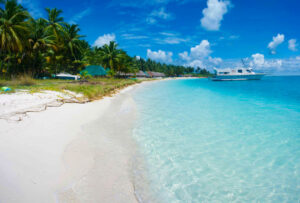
column 207, row 141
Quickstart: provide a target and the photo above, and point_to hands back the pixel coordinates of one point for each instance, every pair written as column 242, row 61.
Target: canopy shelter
column 95, row 70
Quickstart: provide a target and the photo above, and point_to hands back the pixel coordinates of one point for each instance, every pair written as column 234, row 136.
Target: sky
column 198, row 33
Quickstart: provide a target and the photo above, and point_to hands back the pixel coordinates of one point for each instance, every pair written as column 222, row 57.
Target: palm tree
column 110, row 55
column 13, row 27
column 125, row 63
column 72, row 40
column 39, row 42
column 55, row 22
column 54, row 26
column 13, row 33
column 38, row 38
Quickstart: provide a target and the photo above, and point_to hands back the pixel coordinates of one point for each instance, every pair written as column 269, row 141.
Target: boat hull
column 237, row 77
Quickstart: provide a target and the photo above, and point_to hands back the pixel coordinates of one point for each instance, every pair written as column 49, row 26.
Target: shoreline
column 58, row 154
column 74, row 153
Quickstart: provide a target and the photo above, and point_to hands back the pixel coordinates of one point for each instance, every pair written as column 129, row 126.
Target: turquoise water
column 207, row 141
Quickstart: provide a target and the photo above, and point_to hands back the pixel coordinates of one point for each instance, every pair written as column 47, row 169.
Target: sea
column 234, row 141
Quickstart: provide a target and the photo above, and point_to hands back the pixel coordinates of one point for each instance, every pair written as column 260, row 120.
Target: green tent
column 94, row 70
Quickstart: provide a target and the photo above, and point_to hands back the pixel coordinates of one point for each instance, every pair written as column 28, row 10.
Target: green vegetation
column 38, row 48
column 42, row 47
column 200, row 73
column 95, row 88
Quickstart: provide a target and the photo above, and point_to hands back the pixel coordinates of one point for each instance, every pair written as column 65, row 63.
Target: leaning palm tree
column 13, row 27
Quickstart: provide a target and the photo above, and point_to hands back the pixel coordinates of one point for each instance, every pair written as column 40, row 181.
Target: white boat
column 229, row 74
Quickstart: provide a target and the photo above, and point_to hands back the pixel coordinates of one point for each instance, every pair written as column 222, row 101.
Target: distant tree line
column 45, row 46
column 168, row 70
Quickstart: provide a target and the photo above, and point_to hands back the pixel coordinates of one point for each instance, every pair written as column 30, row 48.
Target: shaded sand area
column 74, row 153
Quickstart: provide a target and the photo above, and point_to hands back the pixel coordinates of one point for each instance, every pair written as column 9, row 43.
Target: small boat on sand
column 230, row 74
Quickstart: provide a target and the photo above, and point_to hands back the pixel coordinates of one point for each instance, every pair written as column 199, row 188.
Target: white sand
column 74, row 153
column 13, row 105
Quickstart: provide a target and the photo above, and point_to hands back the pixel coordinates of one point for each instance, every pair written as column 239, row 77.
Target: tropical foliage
column 44, row 46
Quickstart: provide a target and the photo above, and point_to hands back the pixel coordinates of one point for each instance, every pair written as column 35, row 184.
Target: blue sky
column 206, row 33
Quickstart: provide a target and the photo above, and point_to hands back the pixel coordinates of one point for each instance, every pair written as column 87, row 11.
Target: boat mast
column 244, row 63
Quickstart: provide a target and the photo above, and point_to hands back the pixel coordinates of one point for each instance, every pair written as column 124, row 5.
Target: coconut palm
column 38, row 38
column 72, row 40
column 13, row 27
column 55, row 26
column 110, row 55
column 39, row 42
column 125, row 63
column 55, row 22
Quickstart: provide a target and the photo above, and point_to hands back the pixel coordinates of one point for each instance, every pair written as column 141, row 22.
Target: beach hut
column 147, row 75
column 150, row 74
column 96, row 71
column 156, row 74
column 141, row 74
column 124, row 75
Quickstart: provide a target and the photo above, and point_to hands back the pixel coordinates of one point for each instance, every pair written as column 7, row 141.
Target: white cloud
column 258, row 59
column 138, row 57
column 202, row 50
column 234, row 37
column 215, row 61
column 197, row 52
column 291, row 66
column 213, row 14
column 79, row 16
column 184, row 56
column 161, row 13
column 259, row 62
column 199, row 56
column 196, row 63
column 168, row 34
column 293, row 45
column 151, row 20
column 160, row 55
column 105, row 39
column 171, row 40
column 277, row 40
column 158, row 14
column 132, row 36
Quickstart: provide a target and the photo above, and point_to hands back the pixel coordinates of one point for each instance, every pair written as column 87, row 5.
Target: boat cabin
column 234, row 71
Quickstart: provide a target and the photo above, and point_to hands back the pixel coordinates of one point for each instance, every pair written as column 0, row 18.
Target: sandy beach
column 73, row 153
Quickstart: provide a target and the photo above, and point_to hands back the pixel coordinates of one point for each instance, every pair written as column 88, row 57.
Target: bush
column 111, row 73
column 85, row 76
column 25, row 80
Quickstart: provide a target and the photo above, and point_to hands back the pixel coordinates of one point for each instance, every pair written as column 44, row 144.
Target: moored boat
column 230, row 74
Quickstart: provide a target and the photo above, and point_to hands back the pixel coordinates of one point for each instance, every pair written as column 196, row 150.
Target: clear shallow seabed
column 207, row 141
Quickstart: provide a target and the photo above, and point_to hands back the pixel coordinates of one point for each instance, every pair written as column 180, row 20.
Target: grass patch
column 94, row 89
